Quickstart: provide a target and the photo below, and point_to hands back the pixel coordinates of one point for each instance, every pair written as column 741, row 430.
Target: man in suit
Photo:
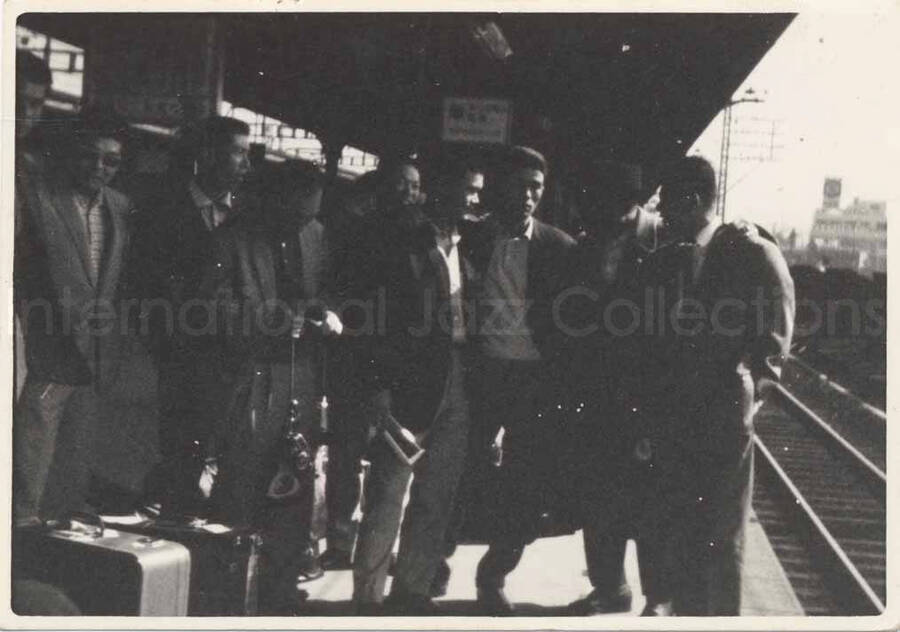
column 176, row 243
column 82, row 355
column 266, row 277
column 395, row 188
column 605, row 312
column 417, row 373
column 33, row 81
column 520, row 262
column 731, row 331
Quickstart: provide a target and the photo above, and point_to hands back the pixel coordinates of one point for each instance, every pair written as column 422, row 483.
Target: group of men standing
column 611, row 379
column 628, row 418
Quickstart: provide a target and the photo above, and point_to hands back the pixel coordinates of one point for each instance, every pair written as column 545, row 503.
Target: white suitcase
column 107, row 572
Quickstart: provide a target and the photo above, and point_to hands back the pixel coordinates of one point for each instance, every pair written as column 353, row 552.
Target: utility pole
column 724, row 153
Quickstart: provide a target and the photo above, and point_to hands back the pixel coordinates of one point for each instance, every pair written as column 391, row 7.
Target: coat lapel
column 115, row 246
column 442, row 275
column 59, row 200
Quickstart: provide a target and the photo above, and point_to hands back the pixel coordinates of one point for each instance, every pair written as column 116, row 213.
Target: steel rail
column 875, row 476
column 823, row 377
column 850, row 583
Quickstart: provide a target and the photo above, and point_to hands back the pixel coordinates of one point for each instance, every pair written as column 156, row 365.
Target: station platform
column 552, row 574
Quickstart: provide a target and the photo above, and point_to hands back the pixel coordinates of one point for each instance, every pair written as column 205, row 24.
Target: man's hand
column 496, row 450
column 332, row 325
column 208, row 477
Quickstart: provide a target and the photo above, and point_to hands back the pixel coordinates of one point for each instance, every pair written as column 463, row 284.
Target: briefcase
column 224, row 562
column 107, row 571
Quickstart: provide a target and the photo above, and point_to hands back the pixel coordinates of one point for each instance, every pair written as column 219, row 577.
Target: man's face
column 471, row 187
column 231, row 162
column 97, row 163
column 521, row 193
column 30, row 99
column 459, row 197
column 680, row 209
column 404, row 186
column 304, row 202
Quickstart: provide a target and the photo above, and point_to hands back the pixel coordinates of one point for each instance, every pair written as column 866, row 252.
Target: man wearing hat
column 618, row 470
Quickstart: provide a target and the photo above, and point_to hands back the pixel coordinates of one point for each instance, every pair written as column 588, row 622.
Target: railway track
column 853, row 364
column 820, row 496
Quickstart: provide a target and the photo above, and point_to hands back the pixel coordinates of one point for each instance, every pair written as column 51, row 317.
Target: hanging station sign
column 474, row 120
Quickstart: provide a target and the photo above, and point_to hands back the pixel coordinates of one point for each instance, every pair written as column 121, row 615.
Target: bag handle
column 82, row 523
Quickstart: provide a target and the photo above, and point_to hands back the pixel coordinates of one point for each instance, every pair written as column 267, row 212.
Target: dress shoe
column 335, row 560
column 407, row 604
column 440, row 580
column 602, row 603
column 310, row 567
column 492, row 602
column 658, row 609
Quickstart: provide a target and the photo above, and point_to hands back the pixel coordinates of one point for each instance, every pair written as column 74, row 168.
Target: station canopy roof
column 639, row 87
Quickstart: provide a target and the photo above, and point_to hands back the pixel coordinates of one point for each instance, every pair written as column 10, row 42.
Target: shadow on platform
column 449, row 608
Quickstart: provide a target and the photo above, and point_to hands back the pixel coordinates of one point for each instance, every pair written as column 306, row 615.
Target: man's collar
column 706, row 233
column 525, row 233
column 96, row 199
column 453, row 235
column 528, row 233
column 201, row 200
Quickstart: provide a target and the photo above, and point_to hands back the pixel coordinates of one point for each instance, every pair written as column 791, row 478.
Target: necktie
column 96, row 236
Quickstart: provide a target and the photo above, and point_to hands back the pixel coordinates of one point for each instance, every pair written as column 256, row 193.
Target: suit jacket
column 171, row 258
column 259, row 278
column 714, row 367
column 548, row 254
column 68, row 340
column 407, row 352
column 79, row 333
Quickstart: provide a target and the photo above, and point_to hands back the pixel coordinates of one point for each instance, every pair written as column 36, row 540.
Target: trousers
column 710, row 546
column 510, row 394
column 435, row 477
column 52, row 438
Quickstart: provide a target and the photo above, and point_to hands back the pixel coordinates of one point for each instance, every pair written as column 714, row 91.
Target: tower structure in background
column 853, row 237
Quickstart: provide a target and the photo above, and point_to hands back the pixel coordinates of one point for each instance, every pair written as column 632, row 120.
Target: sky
column 831, row 84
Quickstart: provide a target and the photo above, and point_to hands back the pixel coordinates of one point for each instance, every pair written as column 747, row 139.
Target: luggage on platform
column 224, row 561
column 106, row 571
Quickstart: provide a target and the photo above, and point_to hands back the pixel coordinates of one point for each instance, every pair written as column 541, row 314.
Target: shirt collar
column 452, row 234
column 201, row 200
column 89, row 203
column 527, row 233
column 706, row 233
column 444, row 236
column 529, row 229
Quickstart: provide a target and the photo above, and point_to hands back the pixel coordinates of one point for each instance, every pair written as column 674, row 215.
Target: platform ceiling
column 639, row 87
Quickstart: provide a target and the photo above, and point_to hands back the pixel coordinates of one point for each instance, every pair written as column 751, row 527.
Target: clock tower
column 831, row 194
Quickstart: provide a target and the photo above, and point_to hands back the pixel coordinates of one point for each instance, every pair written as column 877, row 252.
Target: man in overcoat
column 730, row 321
column 175, row 243
column 417, row 373
column 88, row 373
column 618, row 472
column 266, row 276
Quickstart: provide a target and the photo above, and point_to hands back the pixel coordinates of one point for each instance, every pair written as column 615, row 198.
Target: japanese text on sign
column 476, row 120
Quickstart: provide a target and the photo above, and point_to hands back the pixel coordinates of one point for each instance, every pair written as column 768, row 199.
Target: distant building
column 853, row 237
